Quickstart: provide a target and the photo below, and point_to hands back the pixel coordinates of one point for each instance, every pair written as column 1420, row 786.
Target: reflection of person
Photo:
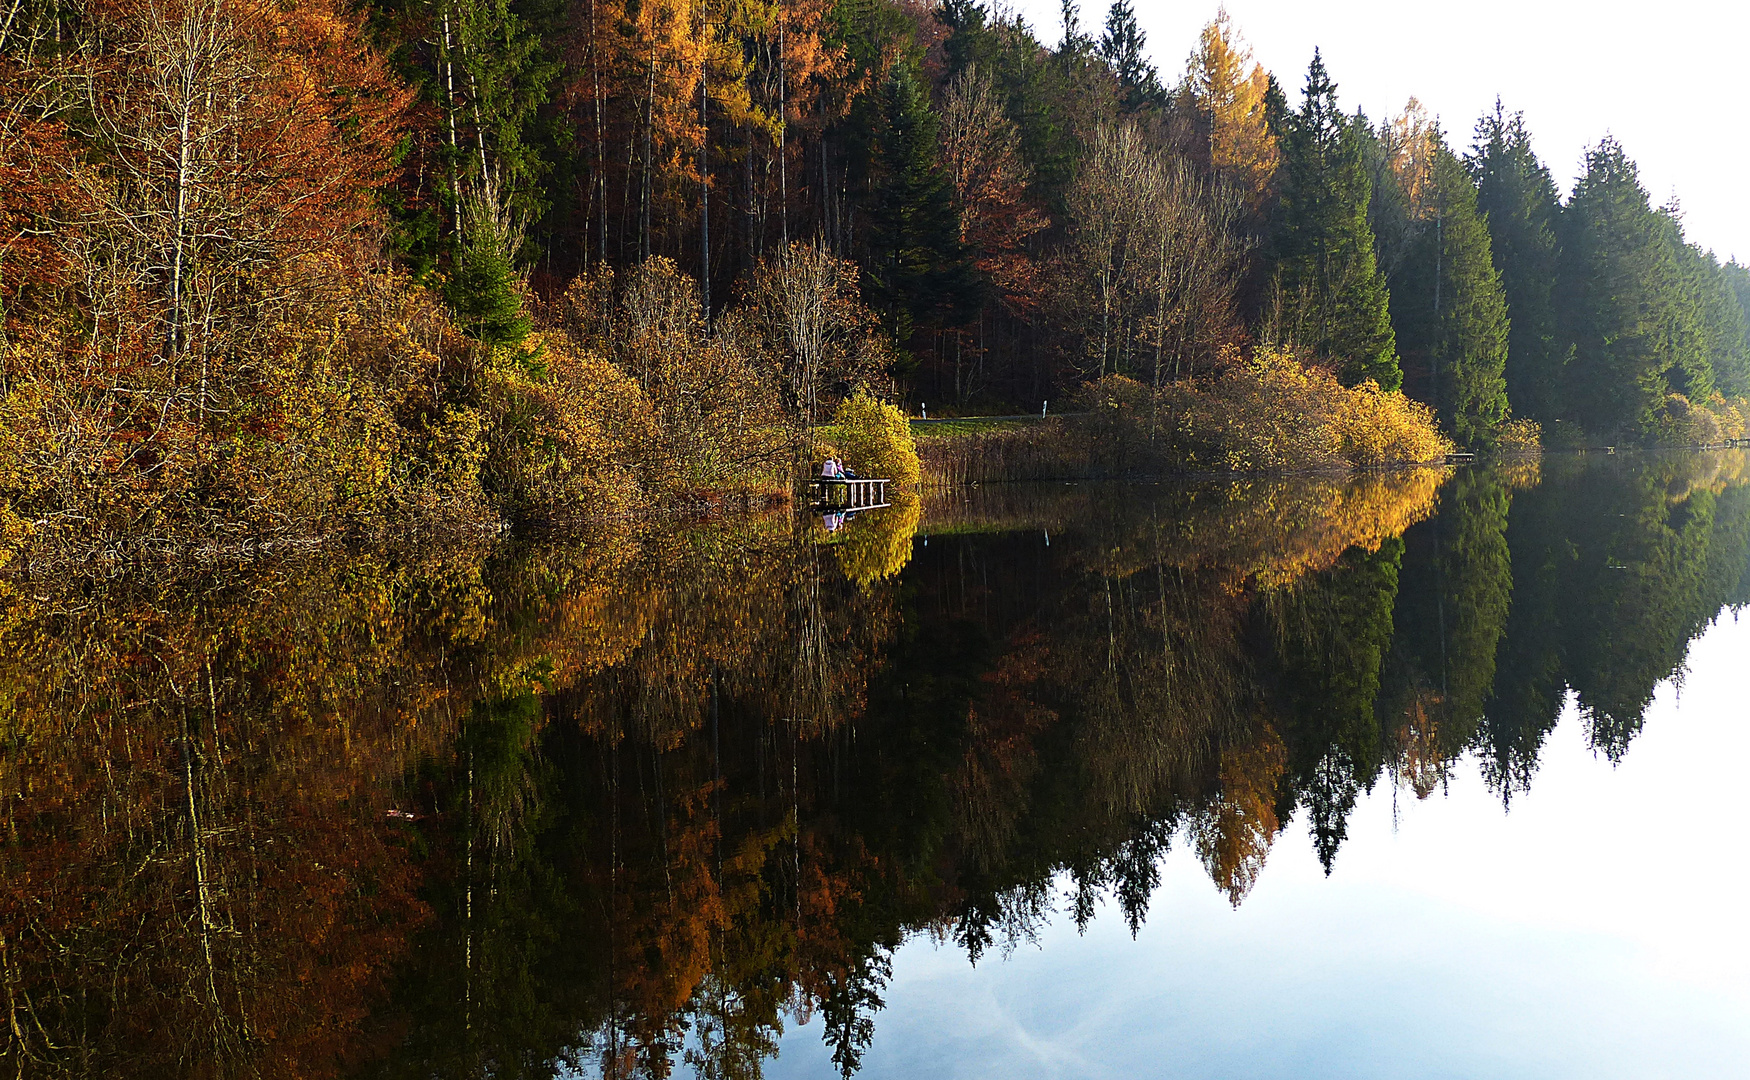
column 833, row 522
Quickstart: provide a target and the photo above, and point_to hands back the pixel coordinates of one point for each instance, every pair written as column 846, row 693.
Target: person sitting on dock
column 829, row 469
column 847, row 472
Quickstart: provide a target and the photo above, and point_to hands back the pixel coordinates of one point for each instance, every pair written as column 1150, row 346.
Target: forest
column 280, row 269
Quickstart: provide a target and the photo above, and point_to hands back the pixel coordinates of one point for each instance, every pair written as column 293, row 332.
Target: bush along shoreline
column 367, row 409
column 1265, row 411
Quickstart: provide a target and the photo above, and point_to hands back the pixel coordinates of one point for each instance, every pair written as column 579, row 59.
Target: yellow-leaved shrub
column 1689, row 423
column 875, row 439
column 1521, row 436
column 1377, row 427
column 1266, row 412
column 877, row 545
column 566, row 430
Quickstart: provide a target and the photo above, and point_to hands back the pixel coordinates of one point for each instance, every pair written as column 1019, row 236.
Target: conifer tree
column 1448, row 307
column 1735, row 277
column 1075, row 43
column 1616, row 283
column 1035, row 96
column 919, row 275
column 1333, row 298
column 1517, row 196
column 1713, row 324
column 1122, row 48
column 482, row 287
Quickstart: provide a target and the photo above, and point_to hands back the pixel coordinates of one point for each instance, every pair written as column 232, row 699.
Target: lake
column 1426, row 774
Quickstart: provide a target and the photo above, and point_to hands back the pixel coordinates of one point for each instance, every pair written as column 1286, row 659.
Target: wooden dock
column 839, row 493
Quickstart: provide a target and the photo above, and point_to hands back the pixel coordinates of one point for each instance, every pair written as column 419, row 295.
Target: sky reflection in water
column 1597, row 930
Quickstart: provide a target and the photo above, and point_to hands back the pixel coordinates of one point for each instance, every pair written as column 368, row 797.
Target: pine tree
column 1616, row 285
column 919, row 275
column 1122, row 49
column 1517, row 196
column 1448, row 307
column 1716, row 322
column 1736, row 279
column 482, row 288
column 1075, row 44
column 1333, row 298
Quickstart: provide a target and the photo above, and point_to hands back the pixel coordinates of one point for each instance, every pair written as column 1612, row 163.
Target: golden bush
column 877, row 544
column 1266, row 412
column 1377, row 427
column 1522, row 436
column 565, row 432
column 876, row 441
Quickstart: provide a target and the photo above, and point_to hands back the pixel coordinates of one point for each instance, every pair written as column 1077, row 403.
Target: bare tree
column 1159, row 251
column 804, row 311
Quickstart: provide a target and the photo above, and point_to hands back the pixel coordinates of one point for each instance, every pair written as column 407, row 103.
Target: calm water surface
column 1429, row 775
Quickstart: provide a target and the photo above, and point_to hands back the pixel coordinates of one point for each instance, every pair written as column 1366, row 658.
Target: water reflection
column 637, row 801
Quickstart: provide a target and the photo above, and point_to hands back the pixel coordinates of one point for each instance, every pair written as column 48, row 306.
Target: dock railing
column 843, row 493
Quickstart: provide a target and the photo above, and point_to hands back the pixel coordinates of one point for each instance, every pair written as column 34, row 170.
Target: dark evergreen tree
column 483, row 289
column 1737, row 278
column 1449, row 311
column 1122, row 48
column 1713, row 324
column 1276, row 111
column 1518, row 198
column 1688, row 337
column 1389, row 214
column 1331, row 636
column 488, row 68
column 1039, row 98
column 1454, row 594
column 1734, row 376
column 1333, row 298
column 1075, row 43
column 1530, row 685
column 1617, row 287
column 919, row 275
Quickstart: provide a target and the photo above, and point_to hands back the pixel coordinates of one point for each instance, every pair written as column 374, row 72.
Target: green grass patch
column 970, row 426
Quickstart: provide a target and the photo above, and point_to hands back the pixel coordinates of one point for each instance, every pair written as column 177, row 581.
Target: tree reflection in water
column 634, row 802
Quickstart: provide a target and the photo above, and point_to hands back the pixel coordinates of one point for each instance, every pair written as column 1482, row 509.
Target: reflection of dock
column 840, row 493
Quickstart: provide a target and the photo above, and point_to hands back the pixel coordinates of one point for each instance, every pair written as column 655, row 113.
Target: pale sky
column 1667, row 79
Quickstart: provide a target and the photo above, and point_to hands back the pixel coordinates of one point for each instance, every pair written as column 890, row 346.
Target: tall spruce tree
column 1449, row 310
column 1333, row 297
column 919, row 275
column 482, row 286
column 1617, row 288
column 1517, row 196
column 1736, row 279
column 1122, row 48
column 1716, row 326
